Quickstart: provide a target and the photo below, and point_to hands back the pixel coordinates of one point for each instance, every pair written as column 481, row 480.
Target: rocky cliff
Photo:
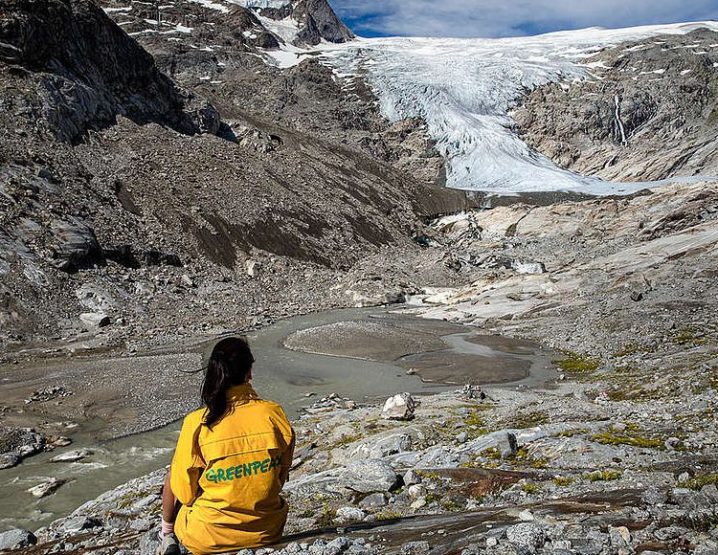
column 648, row 112
column 116, row 204
column 68, row 69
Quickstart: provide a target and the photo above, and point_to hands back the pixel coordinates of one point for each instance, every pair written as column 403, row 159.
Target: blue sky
column 503, row 18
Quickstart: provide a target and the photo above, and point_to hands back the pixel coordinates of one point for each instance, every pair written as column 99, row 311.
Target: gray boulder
column 370, row 476
column 71, row 456
column 74, row 245
column 526, row 535
column 378, row 448
column 345, row 515
column 95, row 319
column 399, row 407
column 16, row 539
column 10, row 459
column 77, row 523
column 373, row 501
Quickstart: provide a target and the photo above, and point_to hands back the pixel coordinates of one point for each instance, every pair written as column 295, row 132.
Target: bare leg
column 170, row 506
column 169, row 501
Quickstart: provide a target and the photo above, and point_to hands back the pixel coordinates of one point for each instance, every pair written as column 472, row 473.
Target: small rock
column 462, row 437
column 370, row 476
column 419, row 503
column 411, row 477
column 71, row 456
column 95, row 319
column 10, row 459
column 507, row 446
column 526, row 516
column 16, row 539
column 619, row 537
column 399, row 407
column 416, row 491
column 349, row 514
column 46, row 488
column 636, row 296
column 654, row 496
column 373, row 501
column 415, row 548
column 61, row 441
column 526, row 535
column 77, row 523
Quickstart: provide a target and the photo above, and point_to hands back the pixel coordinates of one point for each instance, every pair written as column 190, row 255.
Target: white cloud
column 497, row 18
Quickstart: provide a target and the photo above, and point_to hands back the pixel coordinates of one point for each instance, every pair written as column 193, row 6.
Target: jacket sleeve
column 187, row 462
column 288, row 454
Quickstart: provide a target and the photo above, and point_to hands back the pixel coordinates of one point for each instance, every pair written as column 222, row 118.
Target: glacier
column 465, row 88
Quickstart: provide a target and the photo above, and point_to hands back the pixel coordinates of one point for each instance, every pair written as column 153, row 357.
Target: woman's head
column 229, row 364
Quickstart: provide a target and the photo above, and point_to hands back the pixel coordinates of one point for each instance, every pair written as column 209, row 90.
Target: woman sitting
column 232, row 459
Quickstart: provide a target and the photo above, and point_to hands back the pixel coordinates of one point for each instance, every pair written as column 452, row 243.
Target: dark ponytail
column 228, row 365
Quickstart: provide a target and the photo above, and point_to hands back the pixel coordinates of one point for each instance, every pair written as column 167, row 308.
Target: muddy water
column 361, row 364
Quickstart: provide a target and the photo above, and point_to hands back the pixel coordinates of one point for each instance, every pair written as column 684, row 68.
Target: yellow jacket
column 228, row 478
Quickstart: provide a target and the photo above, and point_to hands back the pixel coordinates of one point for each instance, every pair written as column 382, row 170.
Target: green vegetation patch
column 628, row 437
column 529, row 419
column 603, row 475
column 576, row 363
column 697, row 482
column 689, row 336
column 531, row 488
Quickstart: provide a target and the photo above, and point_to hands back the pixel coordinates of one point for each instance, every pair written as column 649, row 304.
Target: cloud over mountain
column 499, row 18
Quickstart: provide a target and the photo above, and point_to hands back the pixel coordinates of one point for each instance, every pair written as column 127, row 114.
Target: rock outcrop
column 648, row 112
column 81, row 71
column 318, row 21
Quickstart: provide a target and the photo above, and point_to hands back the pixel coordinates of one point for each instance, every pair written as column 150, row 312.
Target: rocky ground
column 157, row 192
column 499, row 471
column 617, row 454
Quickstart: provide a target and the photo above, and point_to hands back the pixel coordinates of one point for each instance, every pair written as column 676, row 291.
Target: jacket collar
column 242, row 392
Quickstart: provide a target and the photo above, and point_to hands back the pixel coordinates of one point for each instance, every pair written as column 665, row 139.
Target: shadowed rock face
column 316, row 19
column 320, row 22
column 86, row 71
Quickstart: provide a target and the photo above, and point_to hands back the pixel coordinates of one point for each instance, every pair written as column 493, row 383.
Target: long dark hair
column 228, row 365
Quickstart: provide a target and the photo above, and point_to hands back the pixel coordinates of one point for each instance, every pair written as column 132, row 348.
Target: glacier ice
column 465, row 88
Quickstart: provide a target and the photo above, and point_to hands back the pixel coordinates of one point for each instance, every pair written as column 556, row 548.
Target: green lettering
column 238, row 471
column 256, row 465
column 247, row 469
column 230, row 473
column 272, row 464
column 265, row 465
column 210, row 475
column 220, row 474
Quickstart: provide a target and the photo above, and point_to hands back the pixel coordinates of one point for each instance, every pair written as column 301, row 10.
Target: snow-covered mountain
column 464, row 90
